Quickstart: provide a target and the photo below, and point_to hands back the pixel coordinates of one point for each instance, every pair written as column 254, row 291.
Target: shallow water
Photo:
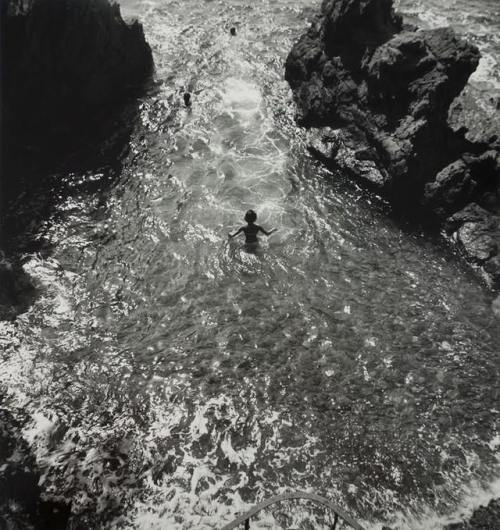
column 170, row 379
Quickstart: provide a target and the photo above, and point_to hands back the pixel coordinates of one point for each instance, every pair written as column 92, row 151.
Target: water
column 168, row 379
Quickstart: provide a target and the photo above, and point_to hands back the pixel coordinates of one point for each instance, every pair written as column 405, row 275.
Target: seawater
column 168, row 379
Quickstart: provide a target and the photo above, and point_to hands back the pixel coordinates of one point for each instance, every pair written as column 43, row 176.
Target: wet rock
column 492, row 269
column 390, row 88
column 71, row 72
column 484, row 518
column 377, row 95
column 352, row 157
column 477, row 233
column 453, row 187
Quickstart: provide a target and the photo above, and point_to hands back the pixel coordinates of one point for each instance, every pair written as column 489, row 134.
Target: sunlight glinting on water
column 171, row 379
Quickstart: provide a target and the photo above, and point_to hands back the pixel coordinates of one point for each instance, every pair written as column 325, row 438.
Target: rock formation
column 376, row 95
column 71, row 71
column 67, row 68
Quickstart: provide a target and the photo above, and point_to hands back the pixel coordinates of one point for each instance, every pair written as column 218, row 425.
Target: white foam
column 433, row 19
column 199, row 424
column 243, row 98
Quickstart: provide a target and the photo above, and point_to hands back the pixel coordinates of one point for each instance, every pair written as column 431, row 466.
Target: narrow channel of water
column 171, row 379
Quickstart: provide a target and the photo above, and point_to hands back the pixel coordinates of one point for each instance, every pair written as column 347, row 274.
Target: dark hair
column 250, row 216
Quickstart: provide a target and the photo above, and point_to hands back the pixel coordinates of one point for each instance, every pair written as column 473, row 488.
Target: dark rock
column 351, row 156
column 476, row 231
column 492, row 269
column 484, row 518
column 353, row 27
column 378, row 95
column 393, row 87
column 472, row 213
column 16, row 288
column 453, row 188
column 67, row 69
column 70, row 73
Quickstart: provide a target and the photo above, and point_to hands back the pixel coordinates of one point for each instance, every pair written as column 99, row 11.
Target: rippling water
column 170, row 380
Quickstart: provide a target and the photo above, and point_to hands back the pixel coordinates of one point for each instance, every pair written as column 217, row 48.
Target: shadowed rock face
column 67, row 68
column 376, row 95
column 71, row 71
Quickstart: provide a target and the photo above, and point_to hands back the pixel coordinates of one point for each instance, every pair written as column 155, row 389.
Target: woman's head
column 250, row 216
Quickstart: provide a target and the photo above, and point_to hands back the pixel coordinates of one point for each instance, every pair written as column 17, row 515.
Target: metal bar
column 335, row 521
column 289, row 496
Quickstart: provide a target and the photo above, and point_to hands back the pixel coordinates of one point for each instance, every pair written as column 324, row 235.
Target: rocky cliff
column 376, row 94
column 67, row 68
column 70, row 75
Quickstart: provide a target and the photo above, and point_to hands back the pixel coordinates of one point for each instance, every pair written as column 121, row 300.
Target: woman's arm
column 266, row 232
column 236, row 233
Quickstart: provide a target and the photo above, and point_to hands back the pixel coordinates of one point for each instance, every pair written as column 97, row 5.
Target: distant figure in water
column 233, row 32
column 251, row 230
column 187, row 99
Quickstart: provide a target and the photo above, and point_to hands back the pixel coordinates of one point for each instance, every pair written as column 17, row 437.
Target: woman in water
column 251, row 230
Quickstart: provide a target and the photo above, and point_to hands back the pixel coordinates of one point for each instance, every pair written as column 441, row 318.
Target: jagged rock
column 452, row 188
column 492, row 269
column 484, row 518
column 378, row 95
column 350, row 155
column 355, row 68
column 476, row 231
column 70, row 74
column 67, row 67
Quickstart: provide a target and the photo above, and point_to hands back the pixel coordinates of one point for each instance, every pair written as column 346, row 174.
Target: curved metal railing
column 245, row 518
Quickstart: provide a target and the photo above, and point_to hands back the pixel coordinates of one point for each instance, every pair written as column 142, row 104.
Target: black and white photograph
column 250, row 265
